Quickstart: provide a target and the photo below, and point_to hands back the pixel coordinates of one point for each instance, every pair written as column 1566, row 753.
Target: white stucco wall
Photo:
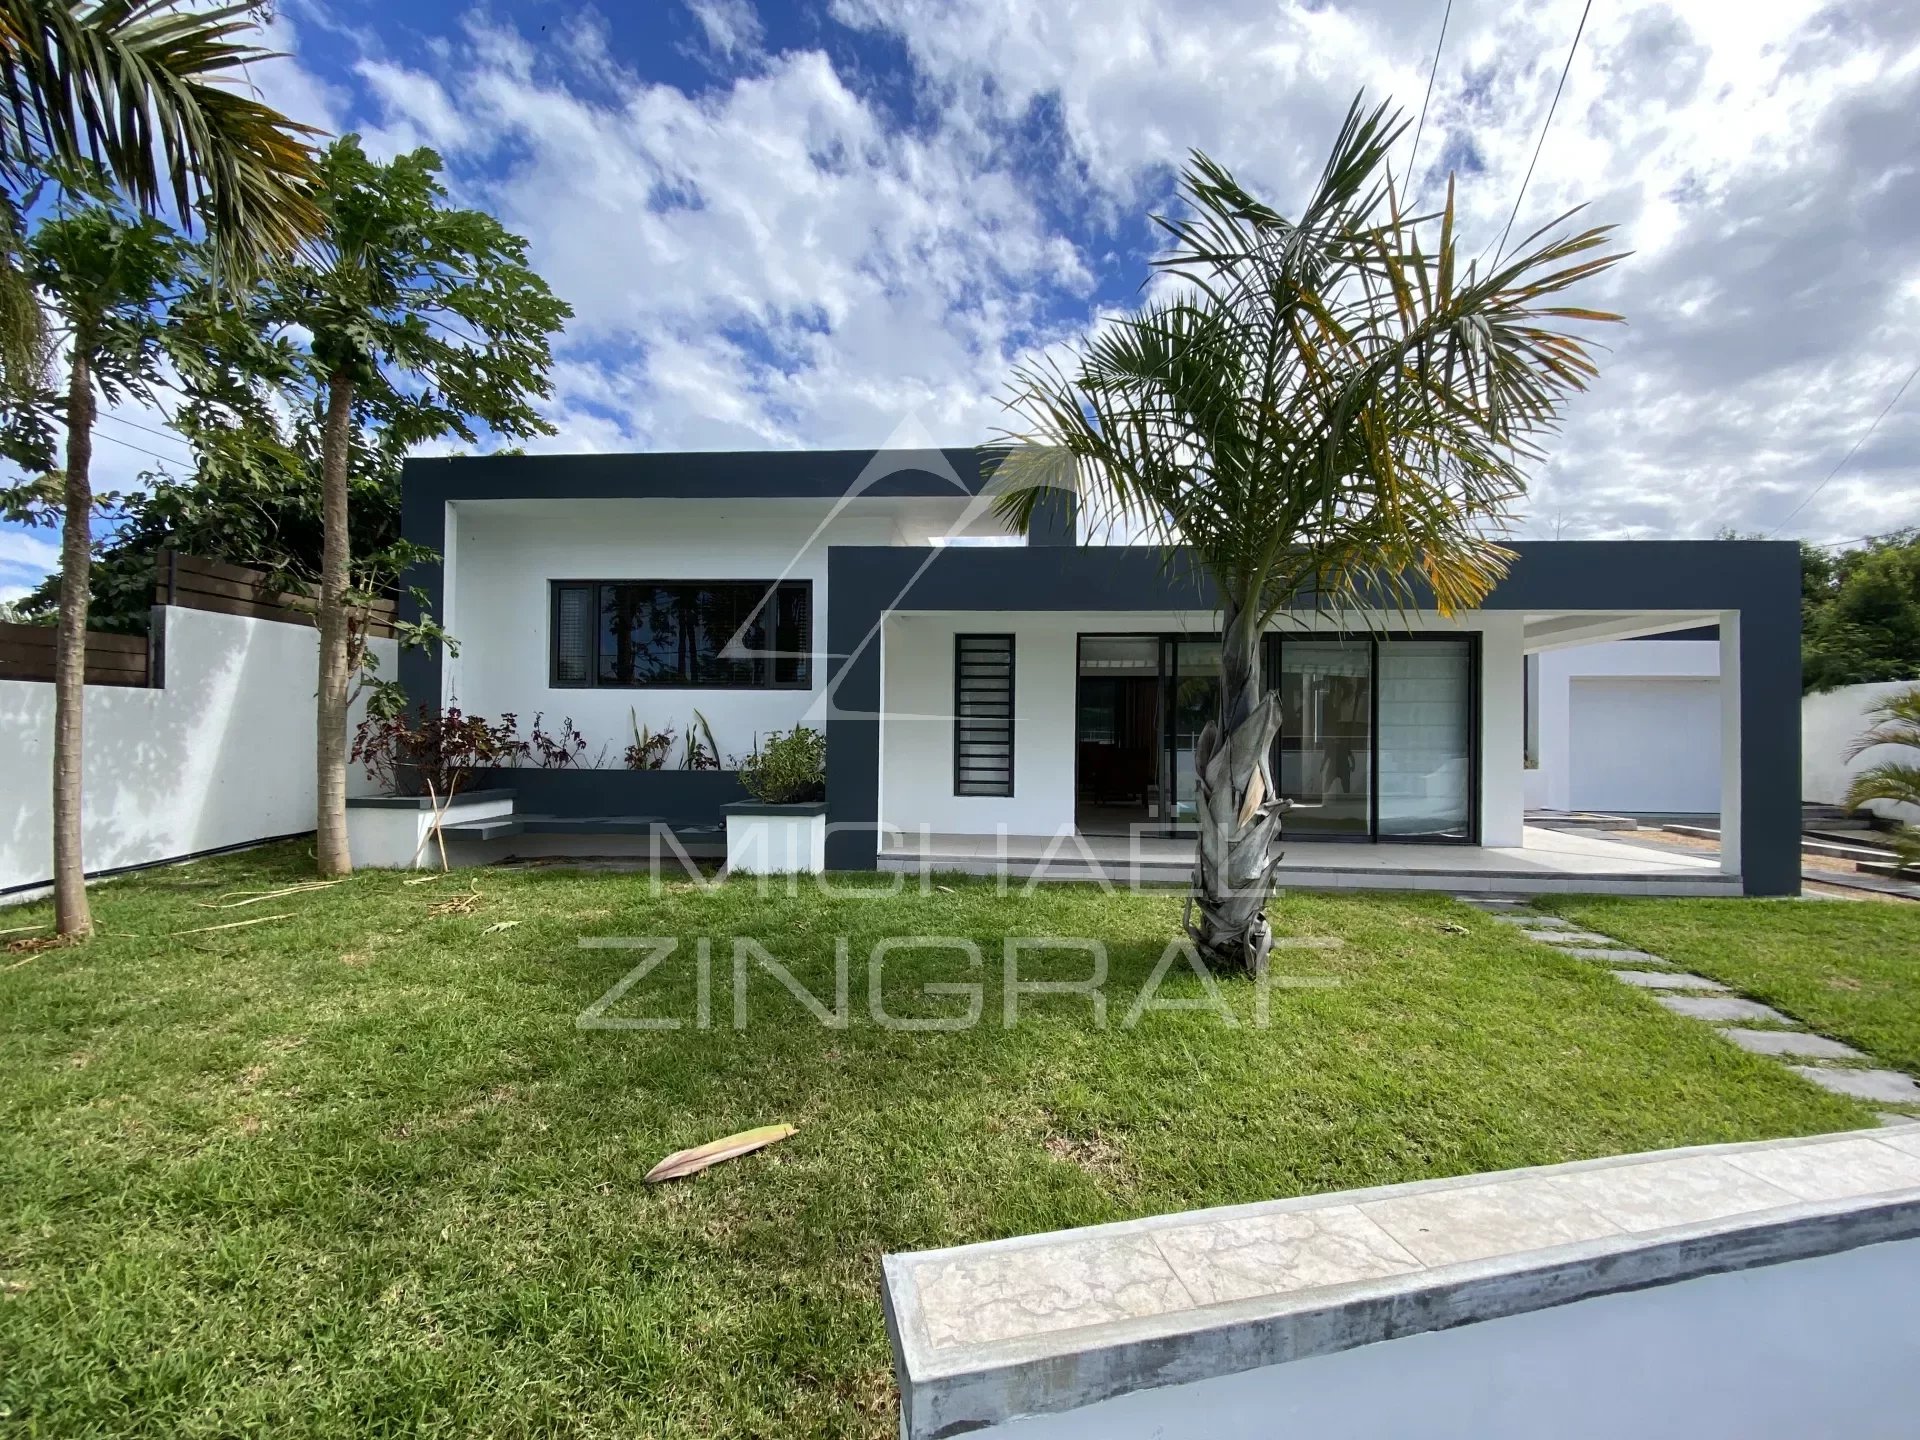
column 1814, row 1347
column 1628, row 737
column 1829, row 724
column 221, row 755
column 502, row 556
column 916, row 740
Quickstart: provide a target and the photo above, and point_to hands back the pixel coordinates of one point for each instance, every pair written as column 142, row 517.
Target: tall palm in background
column 155, row 93
column 1332, row 409
column 149, row 97
column 1896, row 722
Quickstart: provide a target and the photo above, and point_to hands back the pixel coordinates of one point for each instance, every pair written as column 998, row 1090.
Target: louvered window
column 723, row 634
column 983, row 714
column 573, row 635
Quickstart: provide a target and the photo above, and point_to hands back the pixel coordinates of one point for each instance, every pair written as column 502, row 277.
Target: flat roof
column 704, row 474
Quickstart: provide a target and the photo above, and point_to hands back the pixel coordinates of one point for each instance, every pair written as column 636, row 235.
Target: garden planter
column 395, row 832
column 776, row 839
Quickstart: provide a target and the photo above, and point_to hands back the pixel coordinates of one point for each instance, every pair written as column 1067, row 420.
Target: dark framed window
column 983, row 714
column 683, row 634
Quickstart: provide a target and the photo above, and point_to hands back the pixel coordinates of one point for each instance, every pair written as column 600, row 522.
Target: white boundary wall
column 1551, row 786
column 221, row 755
column 1829, row 724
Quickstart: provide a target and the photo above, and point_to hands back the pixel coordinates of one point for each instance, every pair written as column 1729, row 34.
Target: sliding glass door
column 1425, row 739
column 1377, row 739
column 1326, row 736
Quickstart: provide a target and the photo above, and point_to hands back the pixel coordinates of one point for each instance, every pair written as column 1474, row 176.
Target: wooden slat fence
column 197, row 584
column 188, row 581
column 27, row 653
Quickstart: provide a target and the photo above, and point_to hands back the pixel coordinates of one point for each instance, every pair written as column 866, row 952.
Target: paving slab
column 1880, row 1085
column 1534, row 922
column 1666, row 980
column 1596, row 952
column 1891, row 1118
column 1790, row 1042
column 1721, row 1008
column 1853, row 1166
column 1570, row 939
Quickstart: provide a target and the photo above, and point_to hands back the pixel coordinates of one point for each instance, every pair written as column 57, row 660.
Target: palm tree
column 143, row 89
column 1897, row 722
column 1333, row 407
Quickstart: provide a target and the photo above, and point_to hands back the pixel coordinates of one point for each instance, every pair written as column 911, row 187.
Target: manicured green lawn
column 358, row 1172
column 1849, row 969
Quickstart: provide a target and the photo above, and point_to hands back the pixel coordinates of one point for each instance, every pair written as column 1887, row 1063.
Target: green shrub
column 789, row 769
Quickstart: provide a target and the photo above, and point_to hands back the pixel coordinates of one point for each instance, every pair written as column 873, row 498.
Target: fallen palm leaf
column 22, row 929
column 498, row 926
column 424, row 879
column 232, row 924
column 254, row 897
column 691, row 1162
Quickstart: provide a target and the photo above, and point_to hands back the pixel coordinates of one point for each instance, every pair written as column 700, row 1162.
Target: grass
column 357, row 1171
column 1850, row 970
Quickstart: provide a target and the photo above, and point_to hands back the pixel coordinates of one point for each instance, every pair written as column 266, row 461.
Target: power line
column 173, row 435
column 1579, row 30
column 1413, row 159
column 116, row 440
column 1849, row 455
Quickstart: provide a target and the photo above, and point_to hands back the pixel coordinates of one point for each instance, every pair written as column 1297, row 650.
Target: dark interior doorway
column 1117, row 733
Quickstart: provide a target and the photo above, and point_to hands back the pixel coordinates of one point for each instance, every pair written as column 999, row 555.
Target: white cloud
column 732, row 27
column 770, row 261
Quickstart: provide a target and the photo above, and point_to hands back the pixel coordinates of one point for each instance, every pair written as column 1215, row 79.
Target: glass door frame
column 1269, row 675
column 1270, row 648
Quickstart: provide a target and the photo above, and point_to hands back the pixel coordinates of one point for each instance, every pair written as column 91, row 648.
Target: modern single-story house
column 988, row 697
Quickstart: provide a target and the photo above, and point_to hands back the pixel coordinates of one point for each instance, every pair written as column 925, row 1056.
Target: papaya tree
column 1334, row 409
column 408, row 320
column 105, row 275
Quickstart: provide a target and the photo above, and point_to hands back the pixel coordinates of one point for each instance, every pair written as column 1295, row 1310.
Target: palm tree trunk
column 1237, row 807
column 71, row 913
column 330, row 727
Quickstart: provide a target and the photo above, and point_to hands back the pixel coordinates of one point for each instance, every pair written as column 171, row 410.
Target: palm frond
column 1892, row 780
column 1897, row 722
column 155, row 93
column 1330, row 410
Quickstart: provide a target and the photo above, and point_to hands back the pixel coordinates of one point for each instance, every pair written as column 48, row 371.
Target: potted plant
column 783, row 828
column 424, row 764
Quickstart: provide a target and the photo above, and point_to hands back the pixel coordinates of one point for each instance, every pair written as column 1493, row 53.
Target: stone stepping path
column 1837, row 1067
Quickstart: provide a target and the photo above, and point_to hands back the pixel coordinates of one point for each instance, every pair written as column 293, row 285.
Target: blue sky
column 845, row 222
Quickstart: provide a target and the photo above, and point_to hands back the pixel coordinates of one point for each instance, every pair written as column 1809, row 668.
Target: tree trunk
column 1237, row 807
column 330, row 727
column 71, row 913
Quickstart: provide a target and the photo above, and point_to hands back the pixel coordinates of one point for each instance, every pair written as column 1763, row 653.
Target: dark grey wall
column 679, row 797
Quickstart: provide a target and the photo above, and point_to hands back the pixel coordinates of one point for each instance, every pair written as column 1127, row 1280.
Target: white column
column 449, row 616
column 1503, row 740
column 1730, row 742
